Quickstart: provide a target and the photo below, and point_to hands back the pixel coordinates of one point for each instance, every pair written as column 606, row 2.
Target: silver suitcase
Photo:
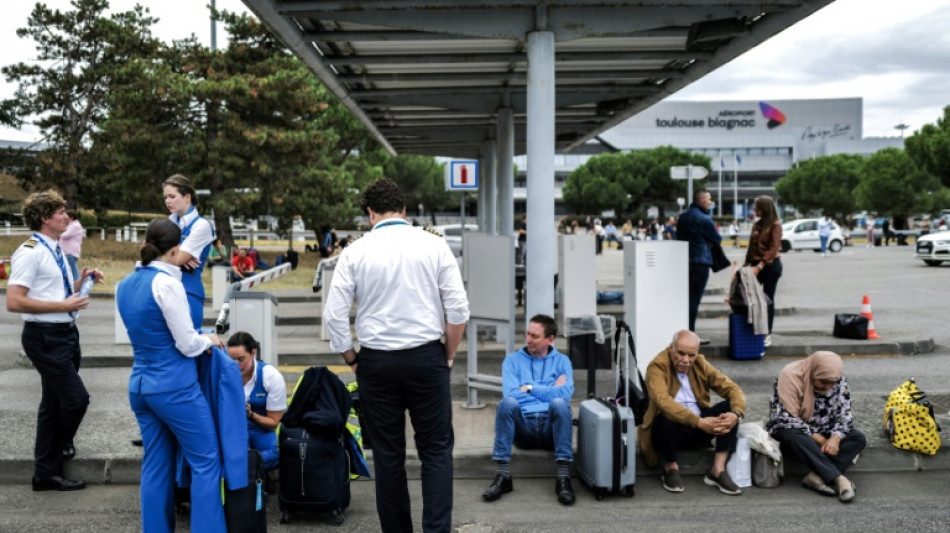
column 607, row 441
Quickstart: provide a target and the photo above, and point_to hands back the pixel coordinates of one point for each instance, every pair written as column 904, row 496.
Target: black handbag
column 719, row 259
column 639, row 401
column 851, row 326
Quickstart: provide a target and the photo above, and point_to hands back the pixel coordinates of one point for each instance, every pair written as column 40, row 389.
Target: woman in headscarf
column 810, row 416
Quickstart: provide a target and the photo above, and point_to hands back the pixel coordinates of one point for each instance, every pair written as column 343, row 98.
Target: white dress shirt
column 406, row 284
column 35, row 268
column 685, row 396
column 274, row 386
column 170, row 296
column 201, row 233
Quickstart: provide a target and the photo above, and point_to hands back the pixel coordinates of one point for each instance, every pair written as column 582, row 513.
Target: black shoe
column 57, row 483
column 137, row 442
column 564, row 490
column 69, row 451
column 500, row 485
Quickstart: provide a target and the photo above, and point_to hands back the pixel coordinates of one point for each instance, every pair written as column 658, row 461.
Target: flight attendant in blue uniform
column 196, row 238
column 265, row 392
column 163, row 390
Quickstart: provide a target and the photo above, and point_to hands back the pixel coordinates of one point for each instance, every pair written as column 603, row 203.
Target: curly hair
column 41, row 206
column 383, row 196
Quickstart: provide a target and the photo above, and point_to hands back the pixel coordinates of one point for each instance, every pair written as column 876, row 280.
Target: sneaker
column 723, row 482
column 768, row 341
column 672, row 482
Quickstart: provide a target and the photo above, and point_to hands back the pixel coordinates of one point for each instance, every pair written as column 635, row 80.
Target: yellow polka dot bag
column 909, row 420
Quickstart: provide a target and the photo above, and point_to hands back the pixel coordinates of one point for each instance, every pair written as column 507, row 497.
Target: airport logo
column 776, row 117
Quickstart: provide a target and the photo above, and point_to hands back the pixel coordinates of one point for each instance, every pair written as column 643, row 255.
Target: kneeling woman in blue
column 164, row 393
column 265, row 394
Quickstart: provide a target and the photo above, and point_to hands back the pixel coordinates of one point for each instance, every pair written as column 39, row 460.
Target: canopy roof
column 427, row 77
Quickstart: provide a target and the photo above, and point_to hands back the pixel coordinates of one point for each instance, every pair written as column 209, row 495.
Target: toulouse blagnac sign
column 730, row 119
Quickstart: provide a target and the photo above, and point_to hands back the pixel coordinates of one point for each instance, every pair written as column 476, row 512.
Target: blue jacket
column 696, row 226
column 520, row 368
column 220, row 380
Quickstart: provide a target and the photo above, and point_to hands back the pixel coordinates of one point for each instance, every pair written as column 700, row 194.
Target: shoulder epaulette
column 31, row 243
column 432, row 231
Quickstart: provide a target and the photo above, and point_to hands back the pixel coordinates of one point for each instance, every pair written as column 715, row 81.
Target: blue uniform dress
column 171, row 412
column 262, row 439
column 192, row 280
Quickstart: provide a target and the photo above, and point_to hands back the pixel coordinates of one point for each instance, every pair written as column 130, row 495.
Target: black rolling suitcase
column 245, row 510
column 314, row 475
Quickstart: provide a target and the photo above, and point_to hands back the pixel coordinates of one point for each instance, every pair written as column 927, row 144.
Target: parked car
column 802, row 234
column 933, row 248
column 453, row 235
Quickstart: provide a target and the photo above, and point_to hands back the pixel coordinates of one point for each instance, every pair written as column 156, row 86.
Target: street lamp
column 901, row 127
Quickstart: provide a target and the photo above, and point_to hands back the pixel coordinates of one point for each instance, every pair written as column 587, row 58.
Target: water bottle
column 87, row 285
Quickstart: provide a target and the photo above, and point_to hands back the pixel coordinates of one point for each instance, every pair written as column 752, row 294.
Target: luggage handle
column 629, row 352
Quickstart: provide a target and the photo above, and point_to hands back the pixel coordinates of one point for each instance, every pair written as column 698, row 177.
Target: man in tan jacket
column 681, row 415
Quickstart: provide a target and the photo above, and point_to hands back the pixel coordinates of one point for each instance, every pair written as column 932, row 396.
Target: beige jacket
column 662, row 386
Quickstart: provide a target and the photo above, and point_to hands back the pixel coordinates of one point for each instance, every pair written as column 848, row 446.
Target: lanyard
column 59, row 262
column 396, row 222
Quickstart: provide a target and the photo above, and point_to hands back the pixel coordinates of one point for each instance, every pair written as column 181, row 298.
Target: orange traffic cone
column 866, row 312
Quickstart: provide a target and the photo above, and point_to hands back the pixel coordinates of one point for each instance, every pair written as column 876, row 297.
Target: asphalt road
column 886, row 503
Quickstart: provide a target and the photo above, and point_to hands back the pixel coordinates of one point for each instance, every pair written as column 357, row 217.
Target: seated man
column 538, row 382
column 242, row 265
column 265, row 394
column 681, row 416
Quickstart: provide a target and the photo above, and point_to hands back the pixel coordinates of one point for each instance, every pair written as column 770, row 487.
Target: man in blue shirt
column 696, row 226
column 538, row 382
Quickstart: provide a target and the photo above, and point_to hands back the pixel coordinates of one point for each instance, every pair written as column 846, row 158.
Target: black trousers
column 670, row 437
column 698, row 276
column 801, row 446
column 54, row 351
column 417, row 380
column 768, row 277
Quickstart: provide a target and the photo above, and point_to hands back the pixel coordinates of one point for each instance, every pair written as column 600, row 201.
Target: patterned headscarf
column 795, row 389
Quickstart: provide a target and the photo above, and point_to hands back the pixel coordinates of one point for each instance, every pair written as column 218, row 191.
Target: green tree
column 423, row 181
column 65, row 89
column 823, row 184
column 892, row 184
column 621, row 180
column 929, row 148
column 249, row 122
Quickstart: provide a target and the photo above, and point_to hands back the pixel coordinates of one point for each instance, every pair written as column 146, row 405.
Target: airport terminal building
column 757, row 141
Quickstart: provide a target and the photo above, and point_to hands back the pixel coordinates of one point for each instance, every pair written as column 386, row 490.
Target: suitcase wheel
column 599, row 493
column 338, row 517
column 285, row 517
column 628, row 491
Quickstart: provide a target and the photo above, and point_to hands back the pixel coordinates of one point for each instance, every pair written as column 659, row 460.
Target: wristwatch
column 738, row 415
column 529, row 387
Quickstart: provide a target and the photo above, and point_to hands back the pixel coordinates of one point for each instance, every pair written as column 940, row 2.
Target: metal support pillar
column 491, row 189
column 506, row 193
column 540, row 143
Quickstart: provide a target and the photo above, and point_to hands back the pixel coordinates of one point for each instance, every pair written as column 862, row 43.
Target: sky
column 893, row 54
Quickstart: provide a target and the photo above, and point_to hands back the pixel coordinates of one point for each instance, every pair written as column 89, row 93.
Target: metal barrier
column 222, row 324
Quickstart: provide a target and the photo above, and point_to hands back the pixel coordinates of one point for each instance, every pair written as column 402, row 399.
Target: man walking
column 696, row 226
column 409, row 292
column 43, row 290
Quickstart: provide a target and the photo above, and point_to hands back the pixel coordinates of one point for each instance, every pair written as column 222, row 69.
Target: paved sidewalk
column 802, row 326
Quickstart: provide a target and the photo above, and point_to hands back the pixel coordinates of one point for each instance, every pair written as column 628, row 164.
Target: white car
column 453, row 235
column 802, row 234
column 933, row 248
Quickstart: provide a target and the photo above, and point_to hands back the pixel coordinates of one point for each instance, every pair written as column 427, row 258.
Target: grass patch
column 117, row 259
